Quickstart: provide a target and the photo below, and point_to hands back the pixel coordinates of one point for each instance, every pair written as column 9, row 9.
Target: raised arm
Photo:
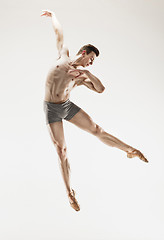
column 58, row 30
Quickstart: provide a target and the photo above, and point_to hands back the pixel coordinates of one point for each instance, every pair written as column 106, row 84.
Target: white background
column 120, row 198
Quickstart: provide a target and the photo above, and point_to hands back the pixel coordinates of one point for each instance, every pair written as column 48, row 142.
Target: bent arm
column 95, row 81
column 88, row 79
column 88, row 84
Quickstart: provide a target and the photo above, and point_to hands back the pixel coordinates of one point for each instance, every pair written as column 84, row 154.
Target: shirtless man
column 61, row 79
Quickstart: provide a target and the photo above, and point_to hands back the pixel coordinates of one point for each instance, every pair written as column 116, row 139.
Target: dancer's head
column 87, row 54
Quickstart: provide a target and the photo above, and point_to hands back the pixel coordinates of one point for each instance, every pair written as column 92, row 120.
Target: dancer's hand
column 47, row 13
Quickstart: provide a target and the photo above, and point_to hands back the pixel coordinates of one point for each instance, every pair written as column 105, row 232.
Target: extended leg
column 57, row 136
column 85, row 122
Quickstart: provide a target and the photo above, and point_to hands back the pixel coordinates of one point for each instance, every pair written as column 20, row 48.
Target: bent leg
column 85, row 122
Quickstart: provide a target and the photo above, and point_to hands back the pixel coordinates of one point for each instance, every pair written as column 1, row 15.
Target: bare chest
column 63, row 76
column 60, row 82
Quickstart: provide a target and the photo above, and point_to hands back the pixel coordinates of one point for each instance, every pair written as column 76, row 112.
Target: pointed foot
column 136, row 153
column 73, row 202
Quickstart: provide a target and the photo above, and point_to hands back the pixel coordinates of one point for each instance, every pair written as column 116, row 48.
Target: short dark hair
column 89, row 48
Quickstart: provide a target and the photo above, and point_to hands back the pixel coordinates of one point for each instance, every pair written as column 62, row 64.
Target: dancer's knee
column 61, row 150
column 97, row 130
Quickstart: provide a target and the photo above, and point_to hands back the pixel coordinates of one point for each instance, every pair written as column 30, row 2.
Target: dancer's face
column 87, row 59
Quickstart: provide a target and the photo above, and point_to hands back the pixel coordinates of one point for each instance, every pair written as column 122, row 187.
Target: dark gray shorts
column 55, row 112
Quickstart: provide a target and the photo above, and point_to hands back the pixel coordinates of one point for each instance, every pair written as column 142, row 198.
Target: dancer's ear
column 83, row 53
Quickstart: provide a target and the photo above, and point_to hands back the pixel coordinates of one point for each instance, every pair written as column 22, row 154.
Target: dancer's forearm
column 56, row 25
column 96, row 82
column 57, row 28
column 58, row 31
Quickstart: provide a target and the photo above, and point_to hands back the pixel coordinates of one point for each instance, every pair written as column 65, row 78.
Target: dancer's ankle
column 130, row 149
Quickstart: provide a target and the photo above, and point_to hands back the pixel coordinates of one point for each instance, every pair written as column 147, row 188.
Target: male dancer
column 61, row 79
